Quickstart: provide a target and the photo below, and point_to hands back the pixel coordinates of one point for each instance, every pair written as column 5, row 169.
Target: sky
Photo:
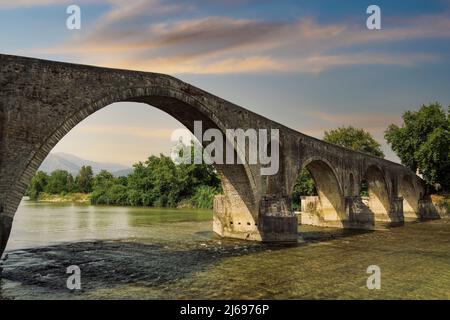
column 310, row 65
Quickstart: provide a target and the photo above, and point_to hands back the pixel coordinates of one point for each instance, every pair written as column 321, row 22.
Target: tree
column 37, row 185
column 304, row 186
column 102, row 183
column 59, row 182
column 160, row 182
column 423, row 143
column 355, row 139
column 84, row 179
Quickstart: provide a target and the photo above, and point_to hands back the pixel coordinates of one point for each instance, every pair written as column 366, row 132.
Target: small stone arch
column 329, row 190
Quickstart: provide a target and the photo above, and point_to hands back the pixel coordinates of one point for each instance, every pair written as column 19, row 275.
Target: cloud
column 7, row 4
column 188, row 39
column 371, row 122
column 4, row 4
column 257, row 64
column 374, row 123
column 132, row 36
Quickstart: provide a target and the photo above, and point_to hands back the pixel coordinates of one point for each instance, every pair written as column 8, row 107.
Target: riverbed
column 151, row 253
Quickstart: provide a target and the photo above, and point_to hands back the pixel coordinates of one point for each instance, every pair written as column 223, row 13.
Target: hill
column 72, row 164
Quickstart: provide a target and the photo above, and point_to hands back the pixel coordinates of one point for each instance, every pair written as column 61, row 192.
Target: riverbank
column 76, row 197
column 442, row 203
column 85, row 198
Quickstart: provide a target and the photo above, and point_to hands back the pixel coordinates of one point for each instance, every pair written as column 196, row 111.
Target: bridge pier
column 275, row 221
column 232, row 221
column 359, row 214
column 278, row 222
column 362, row 215
column 5, row 229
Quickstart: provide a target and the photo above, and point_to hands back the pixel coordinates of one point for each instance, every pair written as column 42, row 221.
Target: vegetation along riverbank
column 156, row 182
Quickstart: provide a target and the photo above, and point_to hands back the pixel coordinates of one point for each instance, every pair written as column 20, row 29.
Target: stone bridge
column 41, row 101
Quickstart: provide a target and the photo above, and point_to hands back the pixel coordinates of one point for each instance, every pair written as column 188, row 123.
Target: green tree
column 84, row 179
column 304, row 186
column 102, row 183
column 154, row 183
column 38, row 184
column 355, row 139
column 117, row 195
column 193, row 176
column 160, row 182
column 59, row 182
column 198, row 182
column 102, row 178
column 423, row 143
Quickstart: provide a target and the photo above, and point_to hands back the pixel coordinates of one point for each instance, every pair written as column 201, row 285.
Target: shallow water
column 147, row 253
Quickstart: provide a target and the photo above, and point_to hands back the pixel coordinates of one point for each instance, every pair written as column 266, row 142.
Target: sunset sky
column 310, row 65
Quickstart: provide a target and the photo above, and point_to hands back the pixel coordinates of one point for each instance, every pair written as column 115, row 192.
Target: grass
column 68, row 197
column 442, row 202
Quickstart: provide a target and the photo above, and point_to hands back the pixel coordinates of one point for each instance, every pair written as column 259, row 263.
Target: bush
column 444, row 204
column 204, row 197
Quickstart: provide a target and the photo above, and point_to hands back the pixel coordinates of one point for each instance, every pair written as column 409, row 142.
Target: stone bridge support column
column 5, row 228
column 274, row 222
column 359, row 215
column 233, row 220
column 397, row 217
column 278, row 222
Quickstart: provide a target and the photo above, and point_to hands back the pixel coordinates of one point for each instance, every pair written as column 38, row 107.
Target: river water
column 149, row 253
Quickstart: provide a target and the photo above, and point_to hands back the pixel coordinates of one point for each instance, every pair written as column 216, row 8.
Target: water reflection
column 40, row 224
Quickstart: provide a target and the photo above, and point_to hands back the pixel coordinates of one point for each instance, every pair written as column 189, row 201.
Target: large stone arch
column 331, row 207
column 410, row 197
column 379, row 198
column 238, row 203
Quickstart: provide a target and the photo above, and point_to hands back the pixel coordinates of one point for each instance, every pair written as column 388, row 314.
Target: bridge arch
column 378, row 192
column 238, row 181
column 329, row 190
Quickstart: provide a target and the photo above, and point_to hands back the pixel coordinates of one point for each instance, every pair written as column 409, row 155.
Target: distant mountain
column 71, row 163
column 122, row 173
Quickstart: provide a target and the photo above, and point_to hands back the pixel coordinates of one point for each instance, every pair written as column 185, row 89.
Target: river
column 149, row 253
